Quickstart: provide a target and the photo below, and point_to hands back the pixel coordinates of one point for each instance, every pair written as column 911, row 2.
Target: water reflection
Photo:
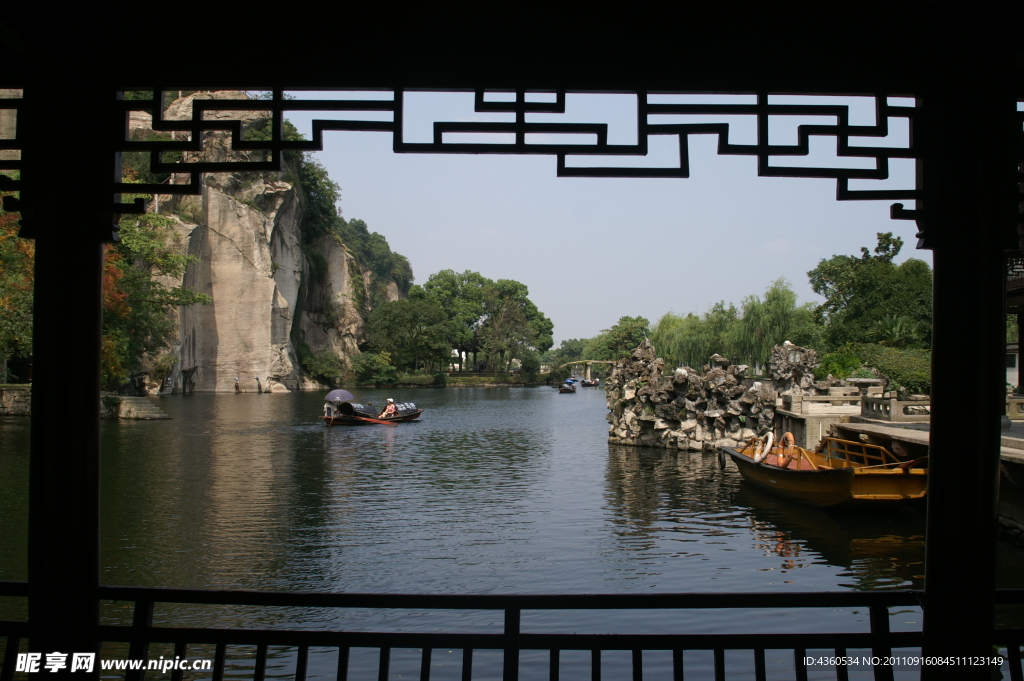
column 495, row 490
column 663, row 500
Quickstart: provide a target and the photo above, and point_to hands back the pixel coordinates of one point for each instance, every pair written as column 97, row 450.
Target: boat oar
column 897, row 464
column 389, row 422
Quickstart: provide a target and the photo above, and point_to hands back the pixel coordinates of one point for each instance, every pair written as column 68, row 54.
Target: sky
column 592, row 250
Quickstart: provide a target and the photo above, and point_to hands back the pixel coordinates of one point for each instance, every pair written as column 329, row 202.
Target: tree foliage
column 462, row 298
column 494, row 318
column 373, row 368
column 745, row 335
column 17, row 259
column 512, row 328
column 909, row 368
column 372, row 251
column 861, row 292
column 412, row 331
column 139, row 311
column 619, row 340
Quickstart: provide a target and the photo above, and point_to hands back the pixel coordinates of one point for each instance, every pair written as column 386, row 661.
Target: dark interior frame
column 967, row 129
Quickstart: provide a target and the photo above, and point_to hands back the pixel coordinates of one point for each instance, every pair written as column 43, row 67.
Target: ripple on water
column 494, row 491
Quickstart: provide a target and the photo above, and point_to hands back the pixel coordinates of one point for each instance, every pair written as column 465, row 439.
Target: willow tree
column 691, row 340
column 746, row 335
column 772, row 321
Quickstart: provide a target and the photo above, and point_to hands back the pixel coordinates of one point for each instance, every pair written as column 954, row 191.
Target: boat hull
column 828, row 487
column 346, row 420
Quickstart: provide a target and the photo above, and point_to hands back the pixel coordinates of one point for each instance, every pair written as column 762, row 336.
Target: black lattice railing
column 513, row 644
column 852, row 141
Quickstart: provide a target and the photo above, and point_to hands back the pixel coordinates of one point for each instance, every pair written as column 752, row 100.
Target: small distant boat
column 838, row 473
column 339, row 410
column 588, row 383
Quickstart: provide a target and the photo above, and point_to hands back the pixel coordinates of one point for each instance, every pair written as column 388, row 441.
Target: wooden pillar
column 67, row 204
column 967, row 174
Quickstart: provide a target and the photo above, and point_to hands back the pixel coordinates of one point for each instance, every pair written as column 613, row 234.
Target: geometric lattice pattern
column 654, row 118
column 519, row 131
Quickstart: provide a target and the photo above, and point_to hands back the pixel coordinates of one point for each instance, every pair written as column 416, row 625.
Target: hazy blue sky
column 593, row 250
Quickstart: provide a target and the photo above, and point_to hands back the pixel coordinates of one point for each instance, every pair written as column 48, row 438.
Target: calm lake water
column 496, row 490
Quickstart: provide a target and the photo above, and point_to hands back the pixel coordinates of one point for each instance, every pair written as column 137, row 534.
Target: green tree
column 462, row 298
column 512, row 325
column 139, row 311
column 619, row 340
column 691, row 340
column 413, row 331
column 764, row 323
column 860, row 292
column 898, row 331
column 373, row 368
column 495, row 318
column 745, row 335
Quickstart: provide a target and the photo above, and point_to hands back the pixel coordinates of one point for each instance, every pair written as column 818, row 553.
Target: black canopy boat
column 339, row 410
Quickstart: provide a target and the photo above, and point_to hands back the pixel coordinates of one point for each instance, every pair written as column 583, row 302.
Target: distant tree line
column 875, row 312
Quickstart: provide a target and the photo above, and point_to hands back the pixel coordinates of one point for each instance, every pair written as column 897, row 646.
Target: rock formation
column 791, row 368
column 688, row 409
column 244, row 233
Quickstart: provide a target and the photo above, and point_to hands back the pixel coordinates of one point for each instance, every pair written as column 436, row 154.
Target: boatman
column 389, row 410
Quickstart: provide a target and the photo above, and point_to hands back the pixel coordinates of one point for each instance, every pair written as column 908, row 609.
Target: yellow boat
column 838, row 473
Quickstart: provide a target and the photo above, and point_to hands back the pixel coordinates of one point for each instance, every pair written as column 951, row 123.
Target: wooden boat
column 838, row 473
column 587, row 383
column 350, row 414
column 567, row 387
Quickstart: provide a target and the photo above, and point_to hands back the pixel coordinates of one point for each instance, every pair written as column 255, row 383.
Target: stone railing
column 818, row 404
column 1015, row 407
column 891, row 409
column 15, row 400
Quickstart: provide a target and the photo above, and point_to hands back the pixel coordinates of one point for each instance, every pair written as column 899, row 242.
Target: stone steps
column 136, row 408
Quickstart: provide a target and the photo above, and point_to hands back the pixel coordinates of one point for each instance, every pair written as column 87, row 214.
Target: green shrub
column 373, row 368
column 908, row 367
column 495, row 379
column 415, row 380
column 324, row 366
column 840, row 364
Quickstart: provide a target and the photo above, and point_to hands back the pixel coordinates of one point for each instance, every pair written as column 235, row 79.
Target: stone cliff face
column 244, row 233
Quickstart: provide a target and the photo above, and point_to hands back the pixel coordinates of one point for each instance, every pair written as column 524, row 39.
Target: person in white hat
column 389, row 410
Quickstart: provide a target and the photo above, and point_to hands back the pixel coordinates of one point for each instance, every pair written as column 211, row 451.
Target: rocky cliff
column 268, row 298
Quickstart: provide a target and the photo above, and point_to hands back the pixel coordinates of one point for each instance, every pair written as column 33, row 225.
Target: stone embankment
column 688, row 408
column 15, row 400
column 113, row 406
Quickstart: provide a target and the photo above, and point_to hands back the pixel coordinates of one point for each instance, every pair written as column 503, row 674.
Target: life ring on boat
column 764, row 447
column 787, row 453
